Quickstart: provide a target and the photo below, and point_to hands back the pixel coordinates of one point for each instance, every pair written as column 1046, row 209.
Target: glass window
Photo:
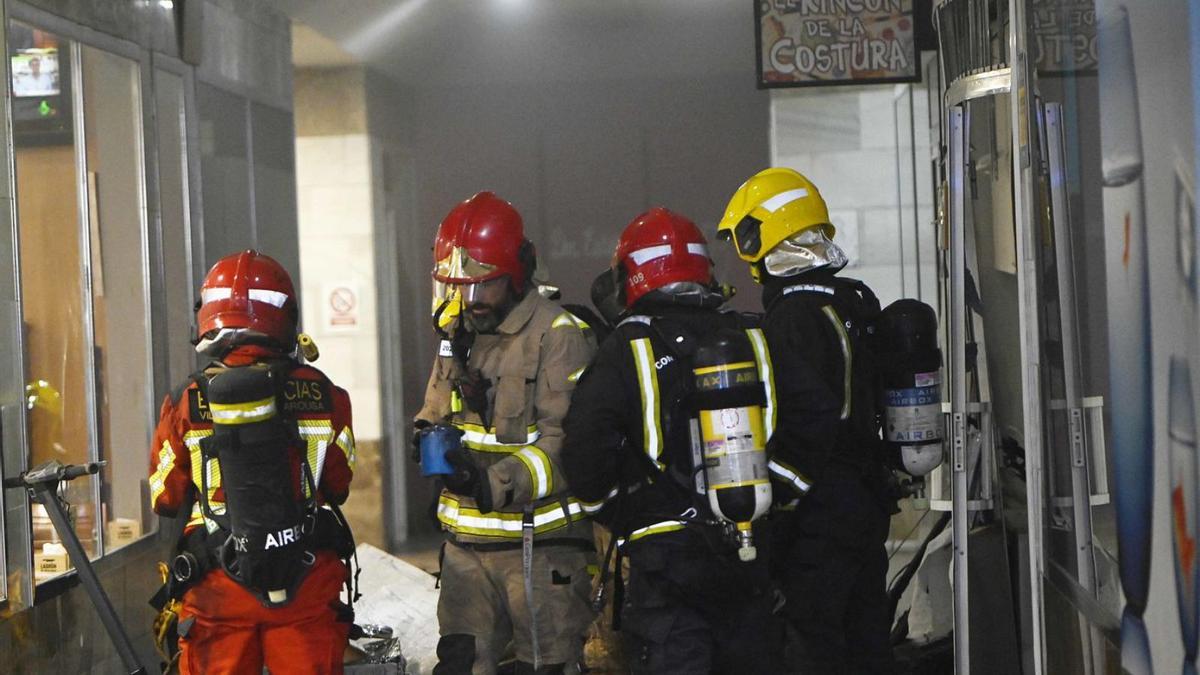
column 120, row 296
column 175, row 212
column 53, row 290
column 83, row 268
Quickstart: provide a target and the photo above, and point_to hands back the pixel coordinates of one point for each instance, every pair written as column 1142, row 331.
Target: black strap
column 200, row 377
column 618, row 590
column 485, row 546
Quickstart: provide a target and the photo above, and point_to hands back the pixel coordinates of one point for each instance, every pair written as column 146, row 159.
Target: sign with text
column 804, row 43
column 1064, row 36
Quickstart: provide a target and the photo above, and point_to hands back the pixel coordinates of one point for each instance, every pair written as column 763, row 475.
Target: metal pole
column 1025, row 155
column 1080, row 487
column 956, row 172
column 46, row 494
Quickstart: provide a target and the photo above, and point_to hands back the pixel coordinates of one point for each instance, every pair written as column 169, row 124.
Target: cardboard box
column 122, row 532
column 51, row 561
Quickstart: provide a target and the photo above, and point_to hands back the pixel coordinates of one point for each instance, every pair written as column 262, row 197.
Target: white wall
column 333, row 180
column 855, row 144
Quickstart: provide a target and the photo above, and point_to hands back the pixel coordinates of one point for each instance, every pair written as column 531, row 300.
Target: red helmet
column 480, row 239
column 251, row 291
column 661, row 247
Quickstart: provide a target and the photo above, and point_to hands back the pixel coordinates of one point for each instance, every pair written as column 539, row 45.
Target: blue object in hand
column 435, row 441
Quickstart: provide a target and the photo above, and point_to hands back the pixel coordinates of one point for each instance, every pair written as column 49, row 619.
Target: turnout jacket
column 628, row 440
column 323, row 418
column 828, row 412
column 531, row 364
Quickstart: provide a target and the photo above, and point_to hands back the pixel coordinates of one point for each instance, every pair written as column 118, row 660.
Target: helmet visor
column 458, row 267
column 804, row 251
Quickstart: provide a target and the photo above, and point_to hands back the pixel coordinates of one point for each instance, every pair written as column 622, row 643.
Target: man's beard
column 486, row 322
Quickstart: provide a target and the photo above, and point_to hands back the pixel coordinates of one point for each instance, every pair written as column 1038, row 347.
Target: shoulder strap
column 661, row 410
column 201, row 378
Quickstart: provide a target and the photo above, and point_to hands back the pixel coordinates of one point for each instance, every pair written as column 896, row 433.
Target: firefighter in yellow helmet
column 827, row 460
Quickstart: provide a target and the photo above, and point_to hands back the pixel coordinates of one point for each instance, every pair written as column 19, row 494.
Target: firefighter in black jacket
column 696, row 601
column 827, row 459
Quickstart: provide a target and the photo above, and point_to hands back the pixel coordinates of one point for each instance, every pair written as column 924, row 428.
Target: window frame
column 16, row 544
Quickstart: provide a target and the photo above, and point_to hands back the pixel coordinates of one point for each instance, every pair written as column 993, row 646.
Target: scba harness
column 685, row 410
column 267, row 533
column 269, row 548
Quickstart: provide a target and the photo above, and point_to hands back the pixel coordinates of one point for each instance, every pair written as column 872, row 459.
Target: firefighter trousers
column 233, row 633
column 483, row 607
column 691, row 610
column 831, row 564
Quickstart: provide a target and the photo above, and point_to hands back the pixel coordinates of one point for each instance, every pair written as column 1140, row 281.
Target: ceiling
column 461, row 42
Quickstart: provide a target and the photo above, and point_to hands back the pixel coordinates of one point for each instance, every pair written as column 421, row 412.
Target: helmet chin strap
column 225, row 339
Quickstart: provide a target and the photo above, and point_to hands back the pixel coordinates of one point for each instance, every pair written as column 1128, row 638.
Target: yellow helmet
column 773, row 205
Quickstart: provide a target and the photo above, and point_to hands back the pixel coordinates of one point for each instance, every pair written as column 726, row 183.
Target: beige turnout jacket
column 532, row 362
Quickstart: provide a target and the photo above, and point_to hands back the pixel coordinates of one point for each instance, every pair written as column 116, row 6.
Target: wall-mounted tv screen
column 35, row 73
column 39, row 65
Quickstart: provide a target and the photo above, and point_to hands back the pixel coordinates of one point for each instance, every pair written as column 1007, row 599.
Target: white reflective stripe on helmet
column 276, row 298
column 784, row 198
column 645, row 255
column 643, row 356
column 208, row 295
column 766, row 373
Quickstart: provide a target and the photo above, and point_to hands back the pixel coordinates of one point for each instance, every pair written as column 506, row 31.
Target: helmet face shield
column 453, row 300
column 447, row 305
column 802, row 252
column 458, row 267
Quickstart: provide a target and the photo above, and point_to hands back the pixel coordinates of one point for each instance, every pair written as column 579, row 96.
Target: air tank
column 728, row 400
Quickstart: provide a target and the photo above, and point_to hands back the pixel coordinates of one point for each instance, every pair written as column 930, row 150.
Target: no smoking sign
column 341, row 302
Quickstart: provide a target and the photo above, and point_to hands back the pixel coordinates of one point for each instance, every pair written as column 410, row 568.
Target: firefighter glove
column 418, row 427
column 468, row 479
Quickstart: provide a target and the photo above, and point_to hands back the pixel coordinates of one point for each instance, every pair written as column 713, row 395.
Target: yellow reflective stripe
column 345, row 441
column 739, row 483
column 569, row 319
column 158, row 479
column 456, row 405
column 574, row 377
column 242, row 413
column 846, row 355
column 593, row 507
column 317, row 435
column 656, row 528
column 200, row 468
column 723, row 368
column 461, row 519
column 477, row 438
column 787, row 473
column 643, row 356
column 766, row 373
column 539, row 470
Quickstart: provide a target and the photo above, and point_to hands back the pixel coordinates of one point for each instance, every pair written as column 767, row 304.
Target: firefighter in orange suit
column 247, row 317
